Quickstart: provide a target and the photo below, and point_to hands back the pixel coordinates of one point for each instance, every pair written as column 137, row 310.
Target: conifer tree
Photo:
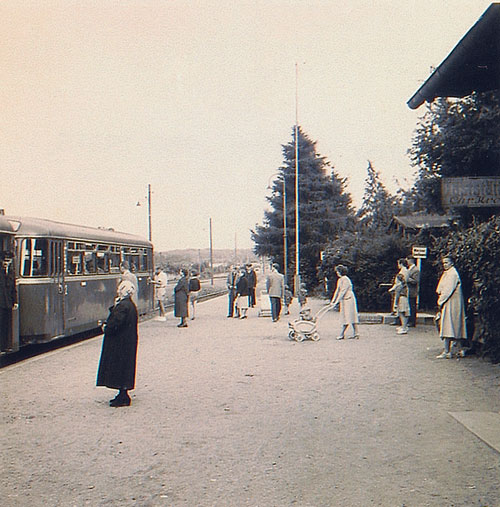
column 324, row 210
column 378, row 205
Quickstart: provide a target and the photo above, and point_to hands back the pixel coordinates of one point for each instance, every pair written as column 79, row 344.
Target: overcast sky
column 100, row 98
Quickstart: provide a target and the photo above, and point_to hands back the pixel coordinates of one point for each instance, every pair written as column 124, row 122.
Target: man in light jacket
column 275, row 285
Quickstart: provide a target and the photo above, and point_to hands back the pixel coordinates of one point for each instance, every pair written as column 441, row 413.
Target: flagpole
column 297, row 217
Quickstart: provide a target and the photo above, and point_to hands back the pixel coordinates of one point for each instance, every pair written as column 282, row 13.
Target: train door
column 58, row 287
column 9, row 336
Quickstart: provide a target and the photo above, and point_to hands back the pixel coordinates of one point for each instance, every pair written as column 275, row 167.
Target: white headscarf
column 125, row 289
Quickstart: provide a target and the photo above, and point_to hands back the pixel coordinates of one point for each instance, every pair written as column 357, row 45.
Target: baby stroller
column 305, row 327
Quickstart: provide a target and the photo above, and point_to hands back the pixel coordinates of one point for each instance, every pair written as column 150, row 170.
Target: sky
column 100, row 99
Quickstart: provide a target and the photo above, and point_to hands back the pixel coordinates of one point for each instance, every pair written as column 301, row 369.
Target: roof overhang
column 472, row 66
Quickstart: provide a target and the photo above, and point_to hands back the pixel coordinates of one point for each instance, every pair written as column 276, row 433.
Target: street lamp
column 297, row 221
column 149, row 211
column 285, row 247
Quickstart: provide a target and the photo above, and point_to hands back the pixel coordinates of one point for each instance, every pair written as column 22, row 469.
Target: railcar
column 67, row 275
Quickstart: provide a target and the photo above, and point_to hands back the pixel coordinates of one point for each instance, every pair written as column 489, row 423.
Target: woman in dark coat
column 181, row 298
column 119, row 347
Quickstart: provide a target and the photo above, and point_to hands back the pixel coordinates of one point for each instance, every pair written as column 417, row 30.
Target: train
column 66, row 277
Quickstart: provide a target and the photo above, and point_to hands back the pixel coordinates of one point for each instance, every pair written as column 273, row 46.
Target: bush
column 372, row 260
column 475, row 251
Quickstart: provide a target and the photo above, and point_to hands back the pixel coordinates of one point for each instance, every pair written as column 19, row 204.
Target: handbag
column 437, row 321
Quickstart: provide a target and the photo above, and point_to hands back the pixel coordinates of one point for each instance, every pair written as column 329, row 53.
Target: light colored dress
column 344, row 295
column 451, row 302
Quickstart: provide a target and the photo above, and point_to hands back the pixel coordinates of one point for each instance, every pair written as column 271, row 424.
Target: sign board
column 470, row 192
column 419, row 252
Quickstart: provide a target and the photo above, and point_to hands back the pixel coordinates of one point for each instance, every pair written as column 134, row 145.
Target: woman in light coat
column 344, row 296
column 451, row 304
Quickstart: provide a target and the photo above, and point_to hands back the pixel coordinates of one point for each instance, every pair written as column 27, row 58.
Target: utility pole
column 149, row 213
column 211, row 255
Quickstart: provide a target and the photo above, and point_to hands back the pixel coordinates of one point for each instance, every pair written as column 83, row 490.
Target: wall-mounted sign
column 419, row 252
column 470, row 192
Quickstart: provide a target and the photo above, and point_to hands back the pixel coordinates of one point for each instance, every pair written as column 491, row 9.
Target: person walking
column 413, row 280
column 231, row 281
column 452, row 329
column 160, row 281
column 344, row 297
column 194, row 289
column 275, row 285
column 181, row 298
column 117, row 365
column 242, row 299
column 251, row 277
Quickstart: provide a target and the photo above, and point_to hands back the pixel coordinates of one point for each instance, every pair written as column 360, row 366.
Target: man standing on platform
column 231, row 281
column 251, row 276
column 275, row 285
column 413, row 280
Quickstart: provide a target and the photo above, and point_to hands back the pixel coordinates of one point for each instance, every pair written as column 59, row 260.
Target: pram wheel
column 315, row 337
column 299, row 337
column 291, row 335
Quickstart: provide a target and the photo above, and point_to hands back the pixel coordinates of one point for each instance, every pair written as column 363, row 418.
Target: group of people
column 185, row 294
column 405, row 293
column 117, row 365
column 119, row 349
column 241, row 283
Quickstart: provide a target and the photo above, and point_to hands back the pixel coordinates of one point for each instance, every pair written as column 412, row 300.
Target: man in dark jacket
column 413, row 280
column 119, row 347
column 251, row 276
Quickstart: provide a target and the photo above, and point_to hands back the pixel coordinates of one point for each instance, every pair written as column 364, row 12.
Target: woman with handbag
column 452, row 328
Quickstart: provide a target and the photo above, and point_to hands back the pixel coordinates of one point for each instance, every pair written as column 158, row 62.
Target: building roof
column 423, row 221
column 472, row 66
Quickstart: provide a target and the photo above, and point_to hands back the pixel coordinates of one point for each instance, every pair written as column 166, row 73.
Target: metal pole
column 211, row 256
column 297, row 217
column 149, row 213
column 285, row 256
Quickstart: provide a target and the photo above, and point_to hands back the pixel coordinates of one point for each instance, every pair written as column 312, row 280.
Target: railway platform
column 229, row 412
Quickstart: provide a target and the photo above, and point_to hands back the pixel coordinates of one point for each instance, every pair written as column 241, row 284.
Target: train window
column 114, row 257
column 102, row 262
column 25, row 268
column 74, row 262
column 34, row 257
column 89, row 263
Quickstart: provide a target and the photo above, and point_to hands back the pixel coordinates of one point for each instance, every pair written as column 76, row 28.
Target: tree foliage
column 455, row 138
column 324, row 210
column 378, row 205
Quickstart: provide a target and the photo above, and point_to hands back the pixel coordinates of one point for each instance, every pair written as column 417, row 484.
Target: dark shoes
column 182, row 325
column 120, row 401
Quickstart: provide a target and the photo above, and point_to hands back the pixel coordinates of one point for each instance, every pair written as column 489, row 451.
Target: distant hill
column 195, row 256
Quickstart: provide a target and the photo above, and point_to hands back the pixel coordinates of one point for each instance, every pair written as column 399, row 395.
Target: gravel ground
column 230, row 412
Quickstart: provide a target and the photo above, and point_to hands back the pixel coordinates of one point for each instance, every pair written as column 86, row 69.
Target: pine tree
column 324, row 210
column 378, row 205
